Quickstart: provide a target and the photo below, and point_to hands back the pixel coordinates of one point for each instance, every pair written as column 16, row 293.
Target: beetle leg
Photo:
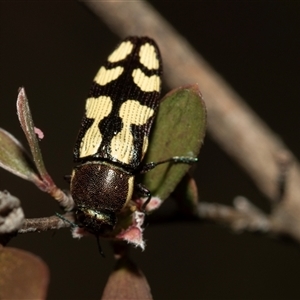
column 176, row 159
column 142, row 190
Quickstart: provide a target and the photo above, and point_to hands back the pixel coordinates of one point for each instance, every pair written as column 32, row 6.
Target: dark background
column 54, row 49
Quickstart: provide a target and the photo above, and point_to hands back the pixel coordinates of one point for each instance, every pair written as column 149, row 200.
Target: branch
column 243, row 216
column 45, row 224
column 234, row 126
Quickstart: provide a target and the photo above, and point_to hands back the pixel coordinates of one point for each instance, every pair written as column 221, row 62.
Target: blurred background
column 54, row 49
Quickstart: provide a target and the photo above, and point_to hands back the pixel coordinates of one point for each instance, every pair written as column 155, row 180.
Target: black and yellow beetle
column 113, row 137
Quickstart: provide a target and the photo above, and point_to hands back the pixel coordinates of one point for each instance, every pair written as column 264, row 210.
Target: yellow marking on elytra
column 148, row 57
column 105, row 76
column 131, row 112
column 130, row 189
column 145, row 146
column 97, row 109
column 121, row 52
column 146, row 83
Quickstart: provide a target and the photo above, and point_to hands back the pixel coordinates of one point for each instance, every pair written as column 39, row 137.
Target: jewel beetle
column 113, row 138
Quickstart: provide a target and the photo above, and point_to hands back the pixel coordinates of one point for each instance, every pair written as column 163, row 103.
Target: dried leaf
column 11, row 214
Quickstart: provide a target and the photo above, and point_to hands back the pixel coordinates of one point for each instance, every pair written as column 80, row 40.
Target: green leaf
column 186, row 195
column 14, row 158
column 46, row 183
column 26, row 121
column 179, row 130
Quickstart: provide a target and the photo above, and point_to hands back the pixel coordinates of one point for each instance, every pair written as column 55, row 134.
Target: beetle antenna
column 99, row 246
column 73, row 225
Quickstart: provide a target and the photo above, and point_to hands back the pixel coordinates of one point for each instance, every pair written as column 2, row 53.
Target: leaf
column 22, row 275
column 46, row 183
column 14, row 158
column 126, row 282
column 27, row 125
column 179, row 130
column 186, row 195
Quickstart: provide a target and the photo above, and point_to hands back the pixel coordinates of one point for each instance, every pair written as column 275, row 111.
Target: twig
column 45, row 224
column 243, row 216
column 236, row 128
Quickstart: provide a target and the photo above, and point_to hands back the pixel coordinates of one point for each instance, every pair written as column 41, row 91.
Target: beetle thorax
column 99, row 191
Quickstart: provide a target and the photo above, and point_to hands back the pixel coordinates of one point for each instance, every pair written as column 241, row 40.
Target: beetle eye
column 80, row 217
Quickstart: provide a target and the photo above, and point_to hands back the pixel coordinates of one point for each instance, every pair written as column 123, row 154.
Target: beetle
column 113, row 138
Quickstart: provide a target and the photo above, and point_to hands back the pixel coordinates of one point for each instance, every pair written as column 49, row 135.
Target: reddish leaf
column 22, row 275
column 126, row 282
